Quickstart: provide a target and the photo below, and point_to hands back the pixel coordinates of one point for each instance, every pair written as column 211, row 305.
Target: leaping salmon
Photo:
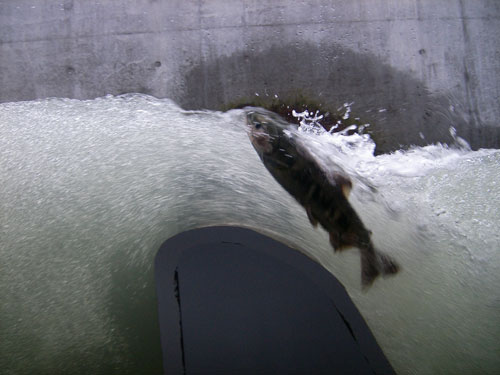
column 323, row 194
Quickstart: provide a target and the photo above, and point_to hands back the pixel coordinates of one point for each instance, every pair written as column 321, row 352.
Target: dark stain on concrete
column 399, row 108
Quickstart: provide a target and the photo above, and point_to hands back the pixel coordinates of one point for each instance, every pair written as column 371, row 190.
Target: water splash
column 309, row 121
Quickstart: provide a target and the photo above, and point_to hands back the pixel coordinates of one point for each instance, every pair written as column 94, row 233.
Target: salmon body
column 323, row 194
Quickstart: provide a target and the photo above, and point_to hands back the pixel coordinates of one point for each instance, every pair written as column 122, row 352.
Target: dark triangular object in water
column 374, row 263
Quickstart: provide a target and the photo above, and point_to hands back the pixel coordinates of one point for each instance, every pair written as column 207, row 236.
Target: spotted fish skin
column 324, row 195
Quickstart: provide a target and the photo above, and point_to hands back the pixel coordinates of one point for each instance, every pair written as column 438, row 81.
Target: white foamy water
column 91, row 189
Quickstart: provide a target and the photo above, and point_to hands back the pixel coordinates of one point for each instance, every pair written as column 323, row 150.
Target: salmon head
column 265, row 129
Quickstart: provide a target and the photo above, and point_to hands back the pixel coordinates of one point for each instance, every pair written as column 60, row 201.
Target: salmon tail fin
column 388, row 265
column 374, row 263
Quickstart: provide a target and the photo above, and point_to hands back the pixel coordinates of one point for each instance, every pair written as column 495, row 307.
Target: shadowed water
column 91, row 189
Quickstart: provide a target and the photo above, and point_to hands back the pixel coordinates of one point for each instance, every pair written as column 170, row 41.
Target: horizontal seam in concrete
column 180, row 30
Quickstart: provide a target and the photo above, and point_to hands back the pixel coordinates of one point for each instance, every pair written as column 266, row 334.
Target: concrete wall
column 411, row 67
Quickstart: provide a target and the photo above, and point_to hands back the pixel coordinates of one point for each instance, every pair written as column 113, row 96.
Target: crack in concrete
column 178, row 298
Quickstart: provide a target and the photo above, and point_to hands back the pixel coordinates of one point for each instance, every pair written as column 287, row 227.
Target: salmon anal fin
column 341, row 242
column 369, row 266
column 311, row 218
column 335, row 241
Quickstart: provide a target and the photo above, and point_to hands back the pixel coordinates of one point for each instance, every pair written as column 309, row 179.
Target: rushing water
column 91, row 189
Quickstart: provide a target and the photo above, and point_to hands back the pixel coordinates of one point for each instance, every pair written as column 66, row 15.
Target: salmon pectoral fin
column 311, row 218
